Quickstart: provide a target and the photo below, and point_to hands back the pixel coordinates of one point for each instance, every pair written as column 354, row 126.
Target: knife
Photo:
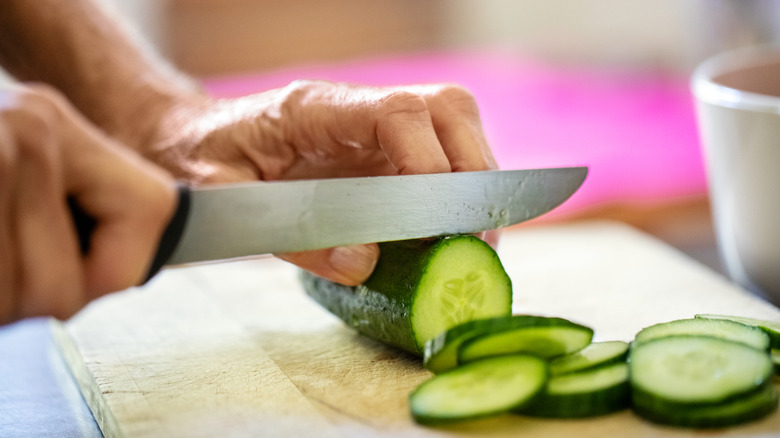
column 237, row 220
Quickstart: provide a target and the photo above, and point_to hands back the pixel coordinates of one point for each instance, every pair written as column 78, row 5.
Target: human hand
column 317, row 129
column 47, row 153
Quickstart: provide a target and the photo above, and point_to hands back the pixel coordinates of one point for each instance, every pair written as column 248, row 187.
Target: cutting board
column 238, row 349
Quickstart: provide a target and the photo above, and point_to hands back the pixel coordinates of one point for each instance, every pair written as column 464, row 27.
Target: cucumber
column 441, row 352
column 552, row 338
column 775, row 355
column 595, row 355
column 488, row 387
column 674, row 378
column 589, row 393
column 420, row 288
column 751, row 407
column 719, row 328
column 771, row 328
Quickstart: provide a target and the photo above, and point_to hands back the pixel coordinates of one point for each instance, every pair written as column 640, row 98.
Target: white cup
column 738, row 110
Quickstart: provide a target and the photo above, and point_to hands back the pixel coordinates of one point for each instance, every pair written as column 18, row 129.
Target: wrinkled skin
column 317, row 129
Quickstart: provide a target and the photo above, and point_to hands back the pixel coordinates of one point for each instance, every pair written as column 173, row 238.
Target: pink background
column 634, row 129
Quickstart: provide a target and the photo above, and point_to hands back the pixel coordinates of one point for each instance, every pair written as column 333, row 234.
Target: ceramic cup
column 738, row 112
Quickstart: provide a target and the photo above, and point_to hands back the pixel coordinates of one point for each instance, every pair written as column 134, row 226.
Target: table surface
column 38, row 396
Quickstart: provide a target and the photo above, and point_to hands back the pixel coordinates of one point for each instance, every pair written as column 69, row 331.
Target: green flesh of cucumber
column 718, row 328
column 771, row 328
column 558, row 338
column 595, row 355
column 483, row 388
column 419, row 289
column 683, row 371
column 589, row 393
column 441, row 352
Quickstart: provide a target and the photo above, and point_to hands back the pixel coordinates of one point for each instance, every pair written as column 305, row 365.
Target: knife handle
column 85, row 226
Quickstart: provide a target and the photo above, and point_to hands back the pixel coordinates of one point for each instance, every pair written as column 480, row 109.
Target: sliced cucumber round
column 683, row 371
column 484, row 388
column 719, row 328
column 462, row 280
column 775, row 355
column 771, row 328
column 741, row 410
column 589, row 393
column 441, row 352
column 594, row 355
column 556, row 339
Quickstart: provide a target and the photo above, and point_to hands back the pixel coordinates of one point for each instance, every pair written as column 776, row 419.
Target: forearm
column 78, row 48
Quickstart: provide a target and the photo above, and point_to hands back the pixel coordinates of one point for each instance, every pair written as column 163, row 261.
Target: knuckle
column 457, row 98
column 29, row 127
column 301, row 90
column 402, row 102
column 41, row 100
column 37, row 147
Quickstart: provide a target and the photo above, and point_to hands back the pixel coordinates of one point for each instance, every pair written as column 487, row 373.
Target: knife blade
column 237, row 220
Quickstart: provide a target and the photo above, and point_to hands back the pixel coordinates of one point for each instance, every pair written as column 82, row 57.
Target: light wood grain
column 237, row 349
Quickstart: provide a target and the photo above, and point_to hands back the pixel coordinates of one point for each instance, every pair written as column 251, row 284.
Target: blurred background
column 219, row 37
column 602, row 83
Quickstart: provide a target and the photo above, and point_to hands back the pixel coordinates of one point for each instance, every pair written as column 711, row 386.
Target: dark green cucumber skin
column 547, row 322
column 358, row 306
column 622, row 357
column 472, row 329
column 737, row 411
column 381, row 307
column 546, row 405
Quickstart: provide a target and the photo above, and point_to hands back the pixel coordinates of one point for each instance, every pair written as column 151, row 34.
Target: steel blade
column 274, row 217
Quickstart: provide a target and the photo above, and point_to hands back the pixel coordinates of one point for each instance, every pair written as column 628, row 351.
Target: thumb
column 348, row 265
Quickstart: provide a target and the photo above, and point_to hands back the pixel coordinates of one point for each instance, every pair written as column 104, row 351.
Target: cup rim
column 707, row 91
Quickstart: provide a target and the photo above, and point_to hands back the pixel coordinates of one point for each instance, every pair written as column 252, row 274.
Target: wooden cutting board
column 237, row 349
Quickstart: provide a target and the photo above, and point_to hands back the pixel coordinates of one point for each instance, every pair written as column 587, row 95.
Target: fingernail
column 354, row 263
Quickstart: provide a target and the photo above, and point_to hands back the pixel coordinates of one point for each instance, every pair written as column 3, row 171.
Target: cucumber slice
column 719, row 328
column 441, row 352
column 771, row 328
column 594, row 355
column 484, row 388
column 589, row 393
column 681, row 371
column 775, row 355
column 557, row 338
column 420, row 288
column 737, row 411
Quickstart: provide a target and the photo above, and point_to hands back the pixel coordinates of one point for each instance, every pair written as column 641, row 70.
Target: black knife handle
column 85, row 226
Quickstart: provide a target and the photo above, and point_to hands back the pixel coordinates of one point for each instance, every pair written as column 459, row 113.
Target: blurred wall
column 208, row 37
column 639, row 32
column 669, row 34
column 219, row 37
column 148, row 17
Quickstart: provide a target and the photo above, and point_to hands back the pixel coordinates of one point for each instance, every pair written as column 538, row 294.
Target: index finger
column 406, row 134
column 456, row 120
column 395, row 121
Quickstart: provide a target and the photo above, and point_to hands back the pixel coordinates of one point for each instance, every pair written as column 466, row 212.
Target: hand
column 317, row 129
column 47, row 153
